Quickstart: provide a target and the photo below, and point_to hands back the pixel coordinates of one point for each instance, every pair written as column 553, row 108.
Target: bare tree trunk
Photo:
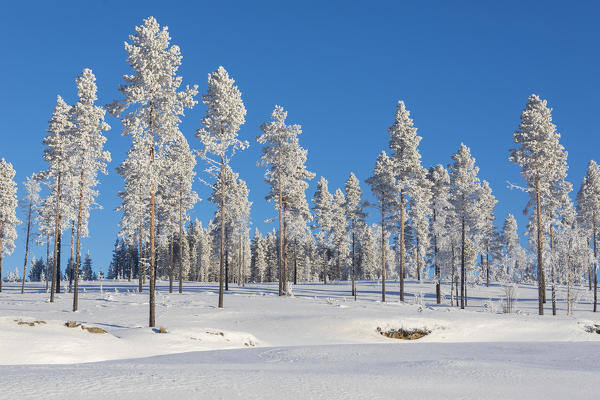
column 280, row 206
column 71, row 257
column 171, row 263
column 58, row 258
column 438, row 287
column 285, row 255
column 539, row 249
column 595, row 262
column 222, row 250
column 141, row 252
column 47, row 261
column 402, row 249
column 487, row 263
column 552, row 270
column 462, row 265
column 151, row 279
column 29, row 209
column 77, row 250
column 180, row 242
column 56, row 229
column 453, row 275
column 383, row 253
column 295, row 261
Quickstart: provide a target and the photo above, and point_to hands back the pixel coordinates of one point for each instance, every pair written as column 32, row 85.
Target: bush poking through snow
column 71, row 324
column 593, row 328
column 404, row 334
column 29, row 323
column 93, row 329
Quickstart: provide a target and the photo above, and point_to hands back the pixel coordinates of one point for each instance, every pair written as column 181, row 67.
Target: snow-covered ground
column 318, row 343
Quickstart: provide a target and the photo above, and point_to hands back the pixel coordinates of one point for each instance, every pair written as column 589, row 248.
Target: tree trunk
column 180, row 243
column 151, row 279
column 280, row 206
column 438, row 288
column 77, row 250
column 56, row 229
column 487, row 263
column 171, row 263
column 595, row 262
column 324, row 264
column 401, row 244
column 47, row 261
column 141, row 253
column 222, row 250
column 295, row 262
column 462, row 264
column 353, row 265
column 71, row 257
column 539, row 248
column 58, row 257
column 383, row 253
column 29, row 209
column 552, row 270
column 285, row 255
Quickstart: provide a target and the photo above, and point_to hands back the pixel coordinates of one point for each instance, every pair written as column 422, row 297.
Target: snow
column 319, row 343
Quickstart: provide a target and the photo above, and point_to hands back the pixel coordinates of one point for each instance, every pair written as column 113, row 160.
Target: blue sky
column 464, row 69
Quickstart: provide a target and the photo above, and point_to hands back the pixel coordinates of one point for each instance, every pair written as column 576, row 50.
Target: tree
column 87, row 273
column 588, row 208
column 155, row 106
column 29, row 204
column 225, row 114
column 322, row 209
column 543, row 162
column 355, row 218
column 514, row 256
column 58, row 206
column 487, row 207
column 465, row 191
column 440, row 210
column 8, row 206
column 385, row 189
column 339, row 231
column 286, row 174
column 404, row 143
column 87, row 155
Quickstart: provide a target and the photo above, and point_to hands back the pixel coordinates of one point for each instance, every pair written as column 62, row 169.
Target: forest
column 433, row 223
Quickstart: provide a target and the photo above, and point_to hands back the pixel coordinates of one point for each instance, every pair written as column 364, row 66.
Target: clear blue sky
column 464, row 69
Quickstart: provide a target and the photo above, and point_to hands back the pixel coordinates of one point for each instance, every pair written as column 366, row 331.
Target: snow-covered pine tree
column 409, row 172
column 339, row 232
column 487, row 207
column 420, row 212
column 29, row 205
column 286, row 174
column 322, row 209
column 152, row 107
column 8, row 207
column 225, row 114
column 355, row 218
column 385, row 189
column 465, row 191
column 58, row 205
column 588, row 208
column 543, row 162
column 87, row 157
column 440, row 210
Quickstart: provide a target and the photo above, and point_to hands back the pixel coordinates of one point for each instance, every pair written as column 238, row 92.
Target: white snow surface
column 317, row 344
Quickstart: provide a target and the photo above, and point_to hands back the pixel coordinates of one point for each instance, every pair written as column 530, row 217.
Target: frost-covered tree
column 151, row 109
column 355, row 218
column 322, row 209
column 409, row 172
column 588, row 208
column 440, row 210
column 487, row 207
column 29, row 205
column 543, row 166
column 225, row 114
column 8, row 207
column 420, row 212
column 514, row 258
column 385, row 189
column 286, row 174
column 339, row 232
column 87, row 156
column 58, row 205
column 465, row 198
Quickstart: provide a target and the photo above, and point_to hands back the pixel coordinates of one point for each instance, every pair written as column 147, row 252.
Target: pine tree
column 29, row 204
column 487, row 207
column 543, row 164
column 409, row 172
column 8, row 206
column 588, row 208
column 286, row 174
column 385, row 189
column 355, row 217
column 155, row 106
column 225, row 114
column 322, row 210
column 465, row 190
column 87, row 154
column 440, row 210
